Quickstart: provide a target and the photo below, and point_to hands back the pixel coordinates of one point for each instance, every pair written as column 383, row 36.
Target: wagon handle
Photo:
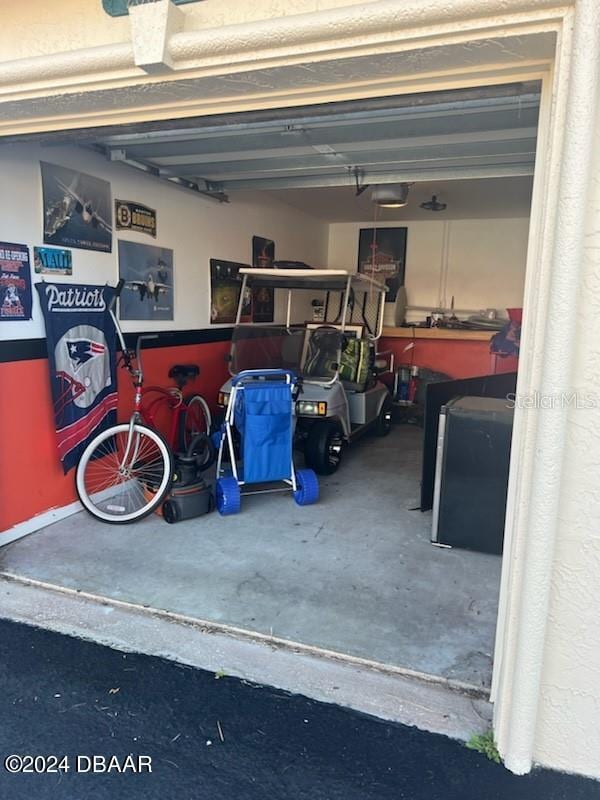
column 260, row 373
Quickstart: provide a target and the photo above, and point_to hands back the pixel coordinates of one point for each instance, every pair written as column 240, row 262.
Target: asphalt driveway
column 212, row 736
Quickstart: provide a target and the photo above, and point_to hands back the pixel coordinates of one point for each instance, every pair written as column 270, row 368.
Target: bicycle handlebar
column 118, row 290
column 137, row 374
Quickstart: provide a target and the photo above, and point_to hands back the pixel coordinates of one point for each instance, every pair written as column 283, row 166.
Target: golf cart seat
column 328, row 349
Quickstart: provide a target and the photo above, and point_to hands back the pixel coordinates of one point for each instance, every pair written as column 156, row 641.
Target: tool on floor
column 261, row 408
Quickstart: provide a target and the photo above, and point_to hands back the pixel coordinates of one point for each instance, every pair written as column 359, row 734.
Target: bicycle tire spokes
column 194, row 420
column 123, row 473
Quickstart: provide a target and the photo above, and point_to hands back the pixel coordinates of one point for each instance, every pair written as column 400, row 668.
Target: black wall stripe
column 30, row 349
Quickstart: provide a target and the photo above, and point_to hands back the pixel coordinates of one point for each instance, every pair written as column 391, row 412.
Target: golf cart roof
column 330, row 279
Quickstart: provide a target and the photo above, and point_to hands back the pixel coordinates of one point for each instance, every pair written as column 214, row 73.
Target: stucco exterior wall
column 38, row 27
column 568, row 732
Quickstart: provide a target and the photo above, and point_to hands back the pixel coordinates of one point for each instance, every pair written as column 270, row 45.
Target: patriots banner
column 81, row 341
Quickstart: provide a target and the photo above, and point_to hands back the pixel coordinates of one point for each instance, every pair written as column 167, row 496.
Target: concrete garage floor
column 354, row 574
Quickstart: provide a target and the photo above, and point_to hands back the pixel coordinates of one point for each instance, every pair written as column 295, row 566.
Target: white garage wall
column 482, row 265
column 196, row 228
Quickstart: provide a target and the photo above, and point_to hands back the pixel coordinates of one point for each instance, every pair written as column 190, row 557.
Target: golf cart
column 339, row 395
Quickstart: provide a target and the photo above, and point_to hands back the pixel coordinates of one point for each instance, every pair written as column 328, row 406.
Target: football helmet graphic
column 11, row 297
column 82, row 359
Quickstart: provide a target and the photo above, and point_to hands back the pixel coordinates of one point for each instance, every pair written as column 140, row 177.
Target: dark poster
column 77, row 209
column 225, row 287
column 135, row 217
column 382, row 256
column 263, row 299
column 81, row 341
column 15, row 282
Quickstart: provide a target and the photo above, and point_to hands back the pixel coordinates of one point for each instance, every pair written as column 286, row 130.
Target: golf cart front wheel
column 323, row 447
column 307, row 491
column 228, row 496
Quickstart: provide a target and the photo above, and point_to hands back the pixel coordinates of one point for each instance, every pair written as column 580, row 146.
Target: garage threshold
column 428, row 702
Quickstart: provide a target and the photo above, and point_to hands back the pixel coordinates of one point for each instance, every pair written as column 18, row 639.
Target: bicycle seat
column 182, row 373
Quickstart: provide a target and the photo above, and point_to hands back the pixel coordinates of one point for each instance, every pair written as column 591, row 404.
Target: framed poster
column 15, row 282
column 382, row 256
column 263, row 298
column 135, row 217
column 52, row 261
column 225, row 287
column 77, row 209
column 148, row 274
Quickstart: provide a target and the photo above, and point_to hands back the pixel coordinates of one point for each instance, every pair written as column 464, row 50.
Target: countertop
column 437, row 333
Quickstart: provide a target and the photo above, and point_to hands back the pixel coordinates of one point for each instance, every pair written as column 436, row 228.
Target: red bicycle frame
column 149, row 410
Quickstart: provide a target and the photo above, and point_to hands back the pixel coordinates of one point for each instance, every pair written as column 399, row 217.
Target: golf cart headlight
column 223, row 399
column 311, row 408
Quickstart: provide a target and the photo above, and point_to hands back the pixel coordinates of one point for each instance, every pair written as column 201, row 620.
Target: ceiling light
column 434, row 204
column 394, row 195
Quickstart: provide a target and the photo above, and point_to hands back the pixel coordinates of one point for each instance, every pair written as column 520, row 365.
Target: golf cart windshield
column 312, row 354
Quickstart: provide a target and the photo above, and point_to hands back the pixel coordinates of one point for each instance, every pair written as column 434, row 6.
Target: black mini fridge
column 471, row 474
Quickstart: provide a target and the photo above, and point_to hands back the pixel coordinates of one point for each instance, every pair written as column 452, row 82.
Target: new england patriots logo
column 80, row 351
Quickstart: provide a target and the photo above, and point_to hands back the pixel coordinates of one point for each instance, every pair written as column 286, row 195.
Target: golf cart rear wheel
column 323, row 447
column 384, row 420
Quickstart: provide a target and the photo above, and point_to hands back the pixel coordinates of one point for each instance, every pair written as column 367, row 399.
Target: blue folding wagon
column 261, row 410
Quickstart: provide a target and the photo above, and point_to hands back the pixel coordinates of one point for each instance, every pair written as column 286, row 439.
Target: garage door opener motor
column 190, row 495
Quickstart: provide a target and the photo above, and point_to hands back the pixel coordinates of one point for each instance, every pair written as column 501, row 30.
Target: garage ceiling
column 477, row 133
column 466, row 199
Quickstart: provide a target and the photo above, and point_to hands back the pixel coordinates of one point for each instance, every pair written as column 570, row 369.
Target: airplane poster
column 77, row 209
column 148, row 274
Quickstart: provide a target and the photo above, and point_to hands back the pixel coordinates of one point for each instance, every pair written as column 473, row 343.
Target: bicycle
column 179, row 418
column 126, row 471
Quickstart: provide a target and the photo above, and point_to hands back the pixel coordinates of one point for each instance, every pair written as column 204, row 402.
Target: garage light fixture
column 392, row 196
column 434, row 204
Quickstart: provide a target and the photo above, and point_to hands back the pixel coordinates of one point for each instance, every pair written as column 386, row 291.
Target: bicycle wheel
column 122, row 478
column 194, row 420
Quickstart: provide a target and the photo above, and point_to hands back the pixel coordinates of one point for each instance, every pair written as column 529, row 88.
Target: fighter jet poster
column 77, row 209
column 148, row 275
